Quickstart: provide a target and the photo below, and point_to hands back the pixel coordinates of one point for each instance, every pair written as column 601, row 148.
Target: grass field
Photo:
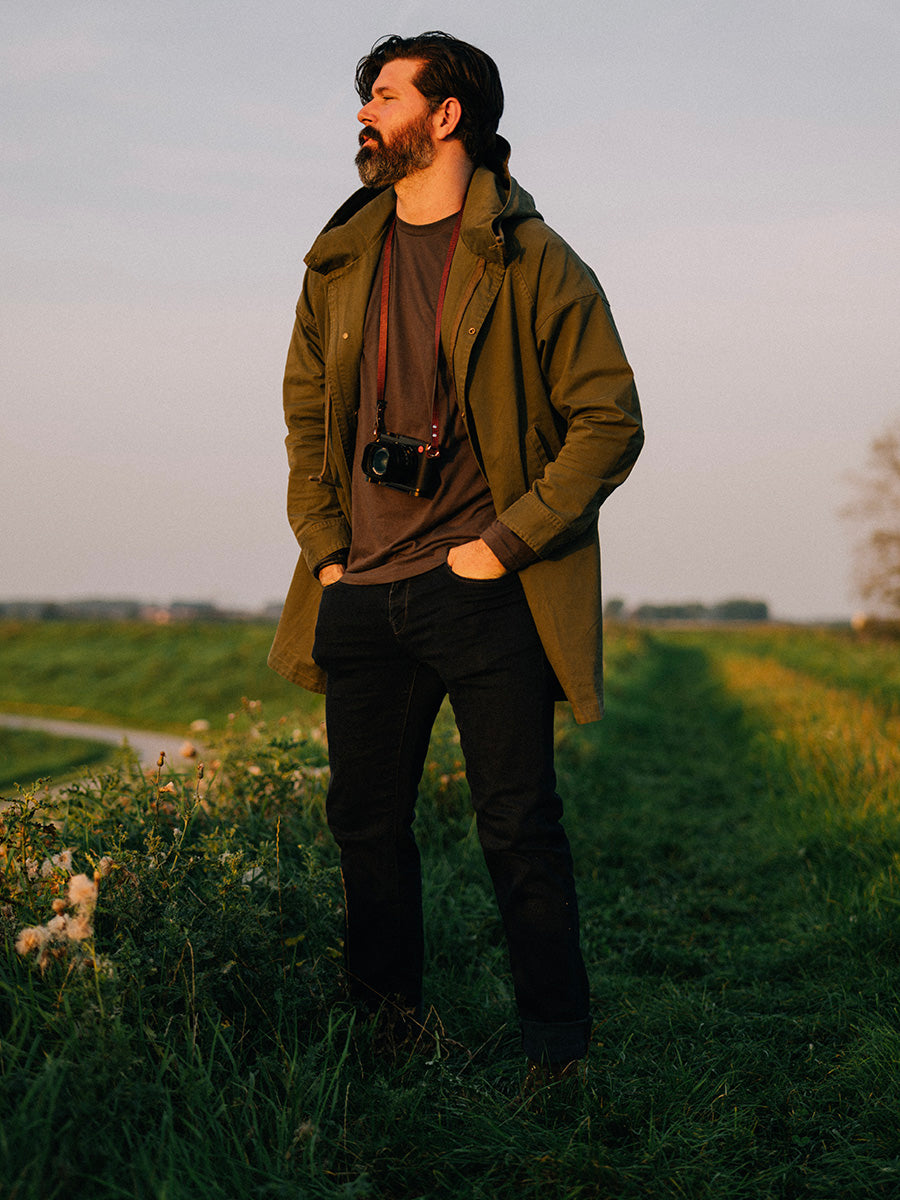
column 26, row 756
column 140, row 675
column 737, row 840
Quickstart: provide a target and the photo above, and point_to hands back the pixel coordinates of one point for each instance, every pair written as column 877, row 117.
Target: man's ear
column 446, row 117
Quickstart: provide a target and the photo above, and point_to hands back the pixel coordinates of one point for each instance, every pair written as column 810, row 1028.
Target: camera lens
column 380, row 460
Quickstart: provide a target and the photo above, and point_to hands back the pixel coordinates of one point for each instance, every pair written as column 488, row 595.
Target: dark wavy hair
column 450, row 68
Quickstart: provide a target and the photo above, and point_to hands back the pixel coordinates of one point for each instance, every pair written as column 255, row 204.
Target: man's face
column 397, row 137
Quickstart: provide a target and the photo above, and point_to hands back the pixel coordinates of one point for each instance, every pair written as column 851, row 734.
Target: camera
column 401, row 462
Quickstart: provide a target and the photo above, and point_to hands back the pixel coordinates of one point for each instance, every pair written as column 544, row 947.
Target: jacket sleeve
column 314, row 507
column 595, row 435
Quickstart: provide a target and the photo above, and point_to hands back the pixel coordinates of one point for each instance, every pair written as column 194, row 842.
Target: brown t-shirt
column 397, row 535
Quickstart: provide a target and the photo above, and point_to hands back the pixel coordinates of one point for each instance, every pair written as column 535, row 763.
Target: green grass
column 737, row 840
column 868, row 664
column 145, row 676
column 26, row 755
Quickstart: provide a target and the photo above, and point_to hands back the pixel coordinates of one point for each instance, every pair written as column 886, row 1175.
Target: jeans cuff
column 556, row 1041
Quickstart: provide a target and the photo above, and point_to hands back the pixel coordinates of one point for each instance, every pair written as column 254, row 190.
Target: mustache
column 372, row 135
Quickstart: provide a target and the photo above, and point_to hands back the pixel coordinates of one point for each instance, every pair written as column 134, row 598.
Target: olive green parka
column 544, row 388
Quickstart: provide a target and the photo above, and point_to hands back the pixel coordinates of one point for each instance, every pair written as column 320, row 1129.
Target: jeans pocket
column 510, row 580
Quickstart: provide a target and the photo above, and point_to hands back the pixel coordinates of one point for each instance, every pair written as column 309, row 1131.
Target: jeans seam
column 398, row 758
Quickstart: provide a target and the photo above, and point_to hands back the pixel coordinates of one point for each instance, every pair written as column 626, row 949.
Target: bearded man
column 458, row 407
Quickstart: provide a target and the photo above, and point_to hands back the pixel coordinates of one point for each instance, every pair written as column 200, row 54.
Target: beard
column 410, row 149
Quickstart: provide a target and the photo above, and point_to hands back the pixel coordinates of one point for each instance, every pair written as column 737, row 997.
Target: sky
column 729, row 168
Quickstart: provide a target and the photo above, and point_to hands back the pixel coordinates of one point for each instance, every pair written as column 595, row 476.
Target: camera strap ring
column 434, row 448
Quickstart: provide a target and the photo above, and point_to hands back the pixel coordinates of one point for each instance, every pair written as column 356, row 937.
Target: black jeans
column 391, row 653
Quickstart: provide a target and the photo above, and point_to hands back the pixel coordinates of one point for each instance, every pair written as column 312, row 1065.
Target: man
column 458, row 406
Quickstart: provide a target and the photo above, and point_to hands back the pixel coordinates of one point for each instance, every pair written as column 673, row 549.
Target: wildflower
column 63, row 860
column 105, row 865
column 170, row 787
column 34, row 937
column 79, row 928
column 200, row 726
column 188, row 750
column 83, row 891
column 64, row 930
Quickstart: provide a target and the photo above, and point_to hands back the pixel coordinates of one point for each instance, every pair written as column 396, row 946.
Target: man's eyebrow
column 380, row 91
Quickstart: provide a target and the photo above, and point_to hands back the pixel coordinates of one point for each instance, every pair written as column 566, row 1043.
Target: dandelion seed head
column 82, row 890
column 59, row 905
column 79, row 928
column 32, row 938
column 57, row 925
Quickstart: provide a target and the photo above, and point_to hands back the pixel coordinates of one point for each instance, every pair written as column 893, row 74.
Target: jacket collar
column 491, row 203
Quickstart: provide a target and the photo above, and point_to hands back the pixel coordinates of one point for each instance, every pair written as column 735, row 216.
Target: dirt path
column 146, row 744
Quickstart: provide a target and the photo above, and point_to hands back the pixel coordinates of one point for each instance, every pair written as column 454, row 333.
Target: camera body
column 401, row 462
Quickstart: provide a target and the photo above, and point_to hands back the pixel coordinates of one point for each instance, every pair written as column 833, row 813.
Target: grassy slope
column 26, row 755
column 735, row 829
column 148, row 676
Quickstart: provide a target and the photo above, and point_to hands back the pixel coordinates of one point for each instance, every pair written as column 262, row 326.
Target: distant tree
column 691, row 611
column 614, row 608
column 741, row 610
column 876, row 508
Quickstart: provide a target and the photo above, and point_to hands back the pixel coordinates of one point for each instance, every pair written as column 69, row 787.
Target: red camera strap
column 434, row 449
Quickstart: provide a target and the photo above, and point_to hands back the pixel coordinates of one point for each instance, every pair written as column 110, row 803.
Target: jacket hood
column 493, row 204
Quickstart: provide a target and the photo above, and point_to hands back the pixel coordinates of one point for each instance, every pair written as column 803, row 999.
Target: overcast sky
column 728, row 167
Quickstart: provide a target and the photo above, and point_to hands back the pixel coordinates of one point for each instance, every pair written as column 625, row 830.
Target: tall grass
column 737, row 864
